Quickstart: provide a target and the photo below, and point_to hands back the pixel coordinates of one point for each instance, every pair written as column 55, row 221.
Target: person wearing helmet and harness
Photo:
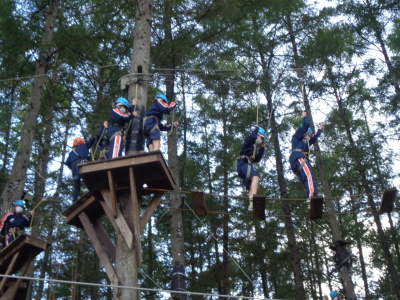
column 80, row 154
column 152, row 122
column 13, row 223
column 251, row 152
column 119, row 117
column 300, row 165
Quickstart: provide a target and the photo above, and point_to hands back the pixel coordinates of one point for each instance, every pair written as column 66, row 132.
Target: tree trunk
column 333, row 222
column 16, row 182
column 139, row 74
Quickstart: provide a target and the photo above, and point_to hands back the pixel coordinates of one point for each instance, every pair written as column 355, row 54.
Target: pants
column 115, row 146
column 245, row 171
column 306, row 175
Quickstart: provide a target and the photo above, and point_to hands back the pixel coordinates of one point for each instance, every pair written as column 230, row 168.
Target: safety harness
column 249, row 162
column 154, row 128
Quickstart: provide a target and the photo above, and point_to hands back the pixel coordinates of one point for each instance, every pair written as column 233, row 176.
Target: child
column 152, row 122
column 13, row 223
column 119, row 117
column 301, row 141
column 80, row 154
column 252, row 151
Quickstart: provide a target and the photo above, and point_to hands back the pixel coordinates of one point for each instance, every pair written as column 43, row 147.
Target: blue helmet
column 309, row 130
column 161, row 96
column 261, row 131
column 20, row 203
column 123, row 101
column 333, row 294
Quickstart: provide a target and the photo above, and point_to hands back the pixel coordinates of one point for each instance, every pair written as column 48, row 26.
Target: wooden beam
column 104, row 258
column 388, row 198
column 119, row 222
column 136, row 219
column 111, row 186
column 259, row 207
column 199, row 203
column 316, row 207
column 105, row 239
column 150, row 209
column 9, row 270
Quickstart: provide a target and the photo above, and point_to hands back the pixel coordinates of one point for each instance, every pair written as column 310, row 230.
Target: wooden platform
column 316, row 207
column 149, row 168
column 388, row 198
column 17, row 257
column 198, row 202
column 114, row 183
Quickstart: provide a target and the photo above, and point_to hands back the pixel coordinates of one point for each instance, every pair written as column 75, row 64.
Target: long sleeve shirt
column 249, row 146
column 299, row 144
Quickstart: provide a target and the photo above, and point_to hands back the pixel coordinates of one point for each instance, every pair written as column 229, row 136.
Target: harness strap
column 155, row 127
column 301, row 166
column 115, row 134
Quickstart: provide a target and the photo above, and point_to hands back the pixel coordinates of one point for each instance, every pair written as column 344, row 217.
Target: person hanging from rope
column 152, row 122
column 119, row 117
column 299, row 158
column 14, row 223
column 80, row 154
column 251, row 152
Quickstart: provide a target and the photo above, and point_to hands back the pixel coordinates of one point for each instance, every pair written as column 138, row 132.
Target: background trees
column 224, row 61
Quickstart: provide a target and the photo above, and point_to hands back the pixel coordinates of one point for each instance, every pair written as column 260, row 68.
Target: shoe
column 250, row 208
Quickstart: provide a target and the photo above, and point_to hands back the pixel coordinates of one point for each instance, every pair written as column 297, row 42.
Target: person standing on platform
column 152, row 122
column 251, row 152
column 80, row 154
column 299, row 158
column 119, row 117
column 12, row 224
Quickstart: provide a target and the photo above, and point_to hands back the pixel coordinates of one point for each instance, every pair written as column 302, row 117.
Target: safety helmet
column 123, row 101
column 78, row 141
column 333, row 294
column 163, row 97
column 19, row 203
column 261, row 131
column 309, row 130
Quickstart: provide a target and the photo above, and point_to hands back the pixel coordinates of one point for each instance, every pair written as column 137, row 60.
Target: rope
column 130, row 287
column 226, row 251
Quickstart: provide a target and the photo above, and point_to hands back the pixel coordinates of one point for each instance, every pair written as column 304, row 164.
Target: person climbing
column 80, row 154
column 119, row 117
column 251, row 152
column 299, row 158
column 13, row 223
column 152, row 122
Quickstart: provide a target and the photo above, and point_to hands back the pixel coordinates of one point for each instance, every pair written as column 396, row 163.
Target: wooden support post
column 387, row 202
column 105, row 239
column 113, row 193
column 199, row 203
column 259, row 207
column 9, row 270
column 316, row 207
column 91, row 232
column 119, row 223
column 145, row 218
column 136, row 220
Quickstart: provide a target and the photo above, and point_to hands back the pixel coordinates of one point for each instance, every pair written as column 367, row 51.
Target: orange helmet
column 78, row 141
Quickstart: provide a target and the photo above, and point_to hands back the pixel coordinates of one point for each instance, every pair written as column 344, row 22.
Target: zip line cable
column 131, row 287
column 215, row 238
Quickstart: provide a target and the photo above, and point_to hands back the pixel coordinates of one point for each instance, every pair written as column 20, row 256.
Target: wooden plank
column 24, row 245
column 150, row 209
column 104, row 258
column 316, row 207
column 259, row 207
column 136, row 219
column 72, row 213
column 105, row 239
column 119, row 221
column 149, row 169
column 388, row 198
column 14, row 289
column 9, row 270
column 199, row 203
column 111, row 186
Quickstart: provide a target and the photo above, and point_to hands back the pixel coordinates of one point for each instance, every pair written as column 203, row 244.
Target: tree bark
column 139, row 74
